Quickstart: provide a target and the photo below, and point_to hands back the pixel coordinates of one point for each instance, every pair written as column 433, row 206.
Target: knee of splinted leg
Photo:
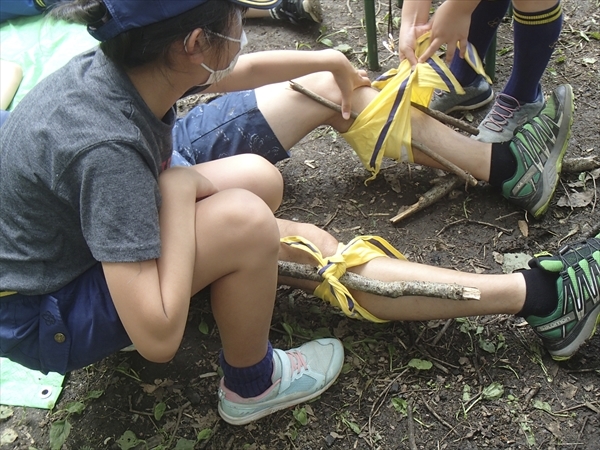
column 265, row 179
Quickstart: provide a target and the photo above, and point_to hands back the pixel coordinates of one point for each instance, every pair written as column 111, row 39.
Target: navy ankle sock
column 535, row 36
column 504, row 164
column 249, row 381
column 541, row 296
column 489, row 12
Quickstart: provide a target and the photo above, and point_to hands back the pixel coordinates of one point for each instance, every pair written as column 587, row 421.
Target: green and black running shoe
column 298, row 11
column 578, row 312
column 539, row 147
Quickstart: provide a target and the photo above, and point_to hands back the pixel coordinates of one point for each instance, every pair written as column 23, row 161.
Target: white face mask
column 217, row 75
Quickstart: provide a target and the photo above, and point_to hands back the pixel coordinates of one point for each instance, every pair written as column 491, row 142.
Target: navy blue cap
column 128, row 14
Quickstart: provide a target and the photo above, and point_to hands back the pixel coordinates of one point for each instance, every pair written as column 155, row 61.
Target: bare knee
column 263, row 179
column 323, row 84
column 321, row 239
column 244, row 222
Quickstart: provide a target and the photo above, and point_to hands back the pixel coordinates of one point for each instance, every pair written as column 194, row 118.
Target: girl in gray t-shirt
column 101, row 246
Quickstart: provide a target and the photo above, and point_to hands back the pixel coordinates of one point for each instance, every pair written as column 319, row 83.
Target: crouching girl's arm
column 152, row 297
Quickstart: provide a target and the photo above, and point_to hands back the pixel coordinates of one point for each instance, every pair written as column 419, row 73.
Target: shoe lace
column 504, row 109
column 578, row 276
column 536, row 136
column 298, row 362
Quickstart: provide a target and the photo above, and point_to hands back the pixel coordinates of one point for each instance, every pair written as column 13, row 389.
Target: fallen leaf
column 498, row 257
column 523, row 227
column 8, row 436
column 515, row 261
column 5, row 412
column 493, row 392
column 577, row 199
column 554, row 428
column 544, row 406
column 149, row 388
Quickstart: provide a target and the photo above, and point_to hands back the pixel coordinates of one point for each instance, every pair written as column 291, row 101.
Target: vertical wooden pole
column 371, row 25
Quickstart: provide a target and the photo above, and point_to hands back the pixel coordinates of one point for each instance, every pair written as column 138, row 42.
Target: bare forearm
column 415, row 12
column 463, row 6
column 178, row 250
column 262, row 68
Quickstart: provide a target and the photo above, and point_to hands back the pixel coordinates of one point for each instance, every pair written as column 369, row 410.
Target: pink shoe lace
column 297, row 362
column 504, row 109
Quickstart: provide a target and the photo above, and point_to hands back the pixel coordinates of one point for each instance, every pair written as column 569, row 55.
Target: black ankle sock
column 504, row 164
column 541, row 297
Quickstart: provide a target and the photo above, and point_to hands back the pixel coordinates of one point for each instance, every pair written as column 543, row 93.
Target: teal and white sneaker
column 506, row 115
column 299, row 375
column 539, row 147
column 477, row 94
column 575, row 318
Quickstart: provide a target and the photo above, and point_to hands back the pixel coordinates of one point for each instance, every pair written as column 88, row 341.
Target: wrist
column 463, row 6
column 415, row 12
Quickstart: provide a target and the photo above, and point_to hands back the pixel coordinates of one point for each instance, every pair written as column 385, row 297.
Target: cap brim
column 257, row 4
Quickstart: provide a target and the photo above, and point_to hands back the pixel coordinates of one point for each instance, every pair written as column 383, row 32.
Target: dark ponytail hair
column 152, row 42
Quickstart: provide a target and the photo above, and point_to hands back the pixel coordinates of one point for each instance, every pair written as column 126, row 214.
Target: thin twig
column 585, row 420
column 179, row 414
column 440, row 419
column 446, row 119
column 392, row 289
column 411, row 425
column 378, row 402
column 436, row 193
column 317, row 98
column 587, row 405
column 478, row 222
column 583, row 164
column 330, row 219
column 441, row 332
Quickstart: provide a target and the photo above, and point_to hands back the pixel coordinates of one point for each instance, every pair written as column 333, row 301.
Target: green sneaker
column 298, row 11
column 578, row 312
column 539, row 147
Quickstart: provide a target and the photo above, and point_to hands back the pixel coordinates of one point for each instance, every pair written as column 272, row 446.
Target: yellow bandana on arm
column 383, row 128
column 359, row 250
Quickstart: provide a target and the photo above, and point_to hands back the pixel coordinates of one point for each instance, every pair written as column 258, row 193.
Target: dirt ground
column 481, row 382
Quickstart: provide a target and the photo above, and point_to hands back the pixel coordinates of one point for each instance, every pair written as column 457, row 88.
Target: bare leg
column 247, row 171
column 257, row 13
column 237, row 255
column 292, row 116
column 237, row 245
column 500, row 294
column 533, row 5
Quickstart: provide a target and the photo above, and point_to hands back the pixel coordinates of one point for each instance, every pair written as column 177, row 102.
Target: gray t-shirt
column 79, row 162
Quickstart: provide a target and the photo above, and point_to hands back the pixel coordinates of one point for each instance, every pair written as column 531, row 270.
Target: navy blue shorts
column 226, row 126
column 66, row 330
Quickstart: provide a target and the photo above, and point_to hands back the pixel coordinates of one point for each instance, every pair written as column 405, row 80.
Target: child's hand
column 407, row 42
column 348, row 79
column 449, row 25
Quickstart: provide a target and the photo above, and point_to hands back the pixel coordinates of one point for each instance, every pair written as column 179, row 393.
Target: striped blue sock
column 490, row 13
column 536, row 35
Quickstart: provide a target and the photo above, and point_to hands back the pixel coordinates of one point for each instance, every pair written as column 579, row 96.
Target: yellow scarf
column 383, row 128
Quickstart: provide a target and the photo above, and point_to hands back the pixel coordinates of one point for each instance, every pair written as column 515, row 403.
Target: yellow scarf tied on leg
column 383, row 128
column 359, row 250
